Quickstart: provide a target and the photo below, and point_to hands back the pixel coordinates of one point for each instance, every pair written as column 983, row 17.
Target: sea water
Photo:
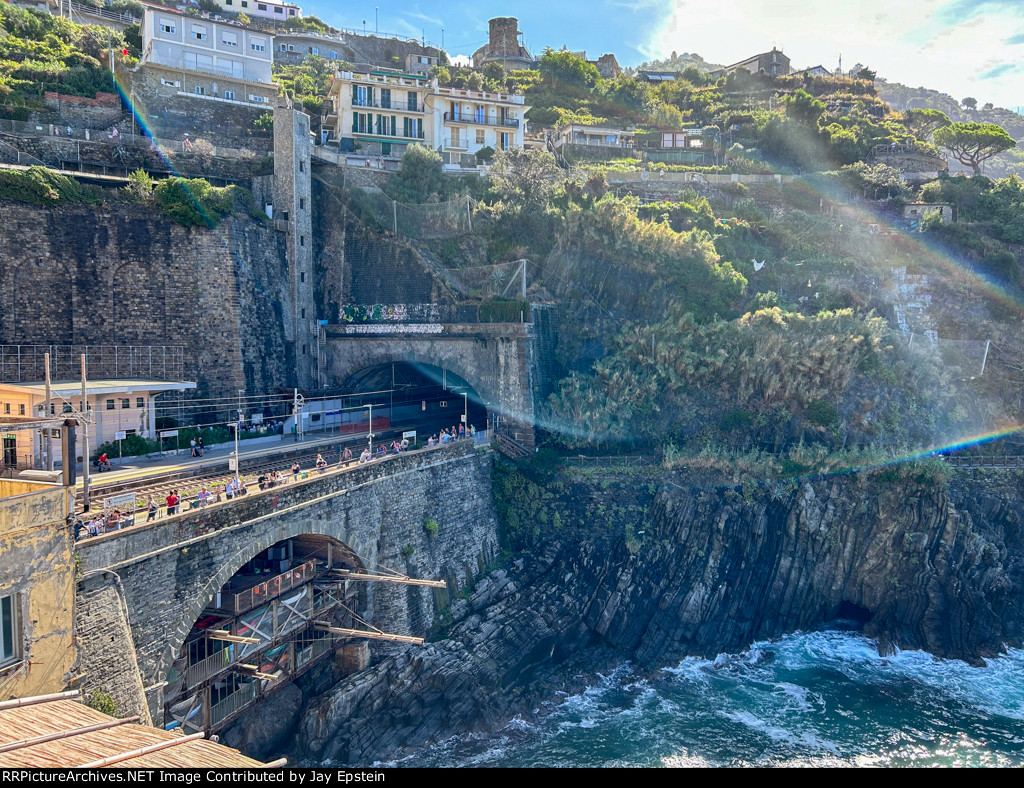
column 817, row 699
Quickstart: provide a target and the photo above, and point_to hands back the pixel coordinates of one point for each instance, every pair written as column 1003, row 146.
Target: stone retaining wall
column 172, row 568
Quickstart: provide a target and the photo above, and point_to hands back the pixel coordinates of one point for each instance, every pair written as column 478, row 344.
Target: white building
column 126, row 406
column 220, row 59
column 607, row 136
column 263, row 8
column 379, row 112
column 466, row 121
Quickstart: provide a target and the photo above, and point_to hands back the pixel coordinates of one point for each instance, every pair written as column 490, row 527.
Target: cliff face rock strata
column 922, row 566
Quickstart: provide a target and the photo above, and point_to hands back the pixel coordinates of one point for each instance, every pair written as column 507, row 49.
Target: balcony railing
column 233, row 702
column 397, row 137
column 317, row 648
column 394, row 106
column 268, row 589
column 204, row 668
column 473, row 119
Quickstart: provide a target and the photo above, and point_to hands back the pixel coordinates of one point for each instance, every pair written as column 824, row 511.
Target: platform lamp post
column 370, row 436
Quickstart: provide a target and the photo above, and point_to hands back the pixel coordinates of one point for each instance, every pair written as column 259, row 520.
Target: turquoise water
column 818, row 699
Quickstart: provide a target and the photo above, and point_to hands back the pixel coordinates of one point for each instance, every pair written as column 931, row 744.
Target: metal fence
column 616, row 460
column 420, row 221
column 269, row 589
column 245, row 695
column 513, row 311
column 26, row 363
column 199, row 671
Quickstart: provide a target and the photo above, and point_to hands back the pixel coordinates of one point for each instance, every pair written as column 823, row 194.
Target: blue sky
column 961, row 47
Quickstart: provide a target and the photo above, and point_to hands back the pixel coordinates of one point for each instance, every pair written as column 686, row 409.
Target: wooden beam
column 126, row 756
column 255, row 671
column 100, row 726
column 31, row 701
column 361, row 633
column 409, row 581
column 223, row 634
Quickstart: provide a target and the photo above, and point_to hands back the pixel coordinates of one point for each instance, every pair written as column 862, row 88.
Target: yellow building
column 37, row 589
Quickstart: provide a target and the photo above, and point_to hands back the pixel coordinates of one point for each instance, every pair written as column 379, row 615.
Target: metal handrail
column 272, row 588
column 395, row 106
column 473, row 119
column 199, row 671
column 233, row 702
column 419, row 136
column 20, row 158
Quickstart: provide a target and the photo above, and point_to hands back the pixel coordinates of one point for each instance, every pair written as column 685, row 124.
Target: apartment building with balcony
column 207, row 58
column 377, row 112
column 380, row 112
column 470, row 120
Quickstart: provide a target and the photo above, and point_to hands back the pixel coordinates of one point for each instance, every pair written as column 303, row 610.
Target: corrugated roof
column 119, row 743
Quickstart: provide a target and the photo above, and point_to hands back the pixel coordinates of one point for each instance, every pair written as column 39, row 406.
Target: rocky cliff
column 662, row 569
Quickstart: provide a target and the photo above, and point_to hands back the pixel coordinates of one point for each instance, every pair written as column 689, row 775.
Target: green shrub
column 103, row 702
column 431, row 526
column 40, row 186
column 264, row 166
column 132, row 446
column 140, row 186
column 823, row 413
column 193, row 202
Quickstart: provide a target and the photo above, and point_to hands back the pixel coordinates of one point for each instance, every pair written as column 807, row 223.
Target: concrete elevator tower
column 293, row 214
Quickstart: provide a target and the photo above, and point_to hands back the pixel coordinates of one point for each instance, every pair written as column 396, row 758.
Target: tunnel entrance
column 262, row 629
column 404, row 396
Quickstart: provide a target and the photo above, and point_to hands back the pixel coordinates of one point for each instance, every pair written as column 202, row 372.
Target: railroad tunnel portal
column 420, row 397
column 491, row 362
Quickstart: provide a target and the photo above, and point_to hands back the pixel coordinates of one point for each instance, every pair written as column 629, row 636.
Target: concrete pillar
column 152, row 417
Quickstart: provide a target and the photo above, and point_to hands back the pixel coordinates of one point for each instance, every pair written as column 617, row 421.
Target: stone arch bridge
column 154, row 580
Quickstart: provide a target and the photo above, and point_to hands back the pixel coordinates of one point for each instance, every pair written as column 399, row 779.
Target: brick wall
column 104, row 110
column 106, row 660
column 127, row 275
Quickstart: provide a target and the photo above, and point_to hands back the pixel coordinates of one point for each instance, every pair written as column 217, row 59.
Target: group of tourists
column 269, row 479
column 383, row 450
column 101, row 522
column 456, row 433
column 197, row 446
column 114, row 520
